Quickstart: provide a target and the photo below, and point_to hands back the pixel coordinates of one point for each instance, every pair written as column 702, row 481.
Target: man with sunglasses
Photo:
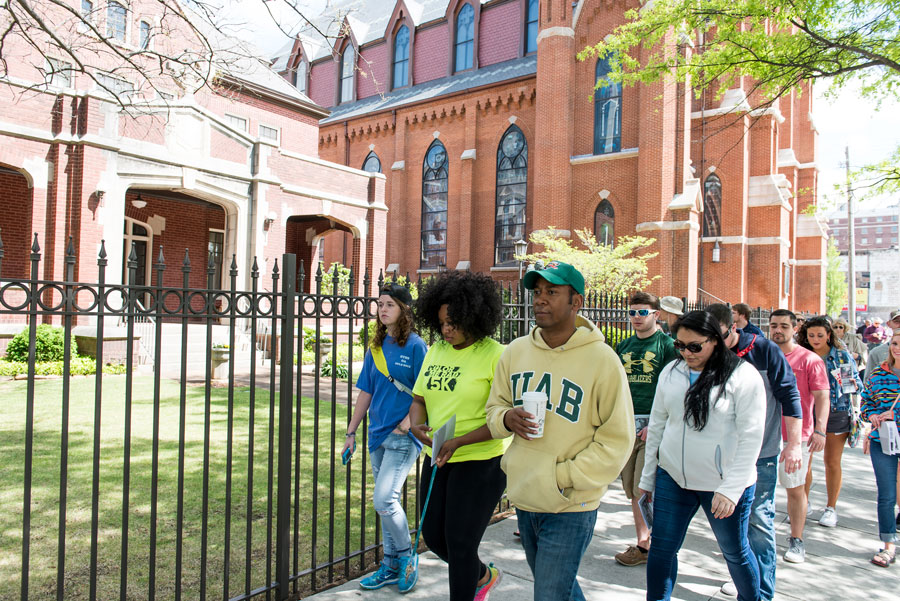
column 643, row 355
column 782, row 401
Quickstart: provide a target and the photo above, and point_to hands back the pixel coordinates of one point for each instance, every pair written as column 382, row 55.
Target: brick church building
column 481, row 119
column 227, row 171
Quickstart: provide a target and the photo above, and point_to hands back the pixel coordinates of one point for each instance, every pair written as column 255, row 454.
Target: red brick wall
column 431, row 52
column 500, row 33
column 323, row 82
column 15, row 225
column 374, row 74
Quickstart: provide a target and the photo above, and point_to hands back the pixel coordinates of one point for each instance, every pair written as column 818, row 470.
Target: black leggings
column 462, row 503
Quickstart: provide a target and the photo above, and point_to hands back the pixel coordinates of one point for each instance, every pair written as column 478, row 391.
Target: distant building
column 481, row 119
column 875, row 228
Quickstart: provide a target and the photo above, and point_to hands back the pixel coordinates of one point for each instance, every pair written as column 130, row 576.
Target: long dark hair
column 719, row 367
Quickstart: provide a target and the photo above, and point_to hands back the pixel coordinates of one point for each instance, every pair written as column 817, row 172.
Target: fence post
column 285, row 409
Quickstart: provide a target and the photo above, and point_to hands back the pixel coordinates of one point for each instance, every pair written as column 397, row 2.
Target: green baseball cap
column 556, row 272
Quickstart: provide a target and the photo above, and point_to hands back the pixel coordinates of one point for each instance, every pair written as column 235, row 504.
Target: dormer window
column 348, row 67
column 465, row 38
column 300, row 76
column 401, row 57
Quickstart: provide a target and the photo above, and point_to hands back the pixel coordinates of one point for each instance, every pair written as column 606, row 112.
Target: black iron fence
column 222, row 481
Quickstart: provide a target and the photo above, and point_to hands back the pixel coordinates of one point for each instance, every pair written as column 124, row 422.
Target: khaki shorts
column 631, row 473
column 798, row 478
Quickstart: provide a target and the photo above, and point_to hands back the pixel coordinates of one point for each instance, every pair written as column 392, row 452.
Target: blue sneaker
column 409, row 573
column 383, row 577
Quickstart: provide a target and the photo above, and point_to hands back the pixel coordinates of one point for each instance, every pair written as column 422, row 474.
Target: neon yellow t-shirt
column 459, row 382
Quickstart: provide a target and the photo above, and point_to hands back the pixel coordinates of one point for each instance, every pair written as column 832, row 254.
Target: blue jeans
column 391, row 463
column 673, row 509
column 885, row 467
column 554, row 544
column 762, row 524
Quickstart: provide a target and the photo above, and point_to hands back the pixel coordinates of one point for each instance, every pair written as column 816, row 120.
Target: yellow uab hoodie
column 589, row 427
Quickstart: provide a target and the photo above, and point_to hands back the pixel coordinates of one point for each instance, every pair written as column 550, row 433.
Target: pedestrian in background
column 670, row 309
column 879, row 405
column 854, row 344
column 843, row 379
column 741, row 315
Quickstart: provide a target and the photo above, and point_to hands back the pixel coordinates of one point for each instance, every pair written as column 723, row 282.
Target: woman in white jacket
column 704, row 436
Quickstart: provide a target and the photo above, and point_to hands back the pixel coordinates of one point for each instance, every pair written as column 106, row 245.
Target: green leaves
column 764, row 46
column 835, row 281
column 619, row 269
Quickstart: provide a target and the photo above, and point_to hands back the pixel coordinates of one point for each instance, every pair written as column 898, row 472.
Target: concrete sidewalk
column 837, row 565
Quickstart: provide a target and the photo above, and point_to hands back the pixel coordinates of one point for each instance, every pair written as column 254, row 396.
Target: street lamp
column 716, row 253
column 521, row 247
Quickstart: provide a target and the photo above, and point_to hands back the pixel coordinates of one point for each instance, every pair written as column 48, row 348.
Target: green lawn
column 46, row 475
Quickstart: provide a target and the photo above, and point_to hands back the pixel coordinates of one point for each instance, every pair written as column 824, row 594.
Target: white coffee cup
column 535, row 403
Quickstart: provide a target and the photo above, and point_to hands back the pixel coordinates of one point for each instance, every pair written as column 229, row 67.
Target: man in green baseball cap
column 556, row 272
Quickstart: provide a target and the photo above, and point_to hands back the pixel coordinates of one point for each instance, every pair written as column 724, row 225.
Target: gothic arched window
column 712, row 206
column 465, row 38
column 607, row 112
column 605, row 223
column 348, row 66
column 434, row 207
column 372, row 164
column 401, row 57
column 512, row 178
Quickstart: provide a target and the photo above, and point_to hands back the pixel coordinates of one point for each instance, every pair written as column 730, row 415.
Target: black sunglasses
column 641, row 312
column 694, row 347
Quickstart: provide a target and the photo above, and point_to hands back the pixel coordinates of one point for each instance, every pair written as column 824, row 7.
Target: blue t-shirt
column 389, row 406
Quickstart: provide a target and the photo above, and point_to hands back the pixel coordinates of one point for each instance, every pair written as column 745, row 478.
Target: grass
column 46, row 485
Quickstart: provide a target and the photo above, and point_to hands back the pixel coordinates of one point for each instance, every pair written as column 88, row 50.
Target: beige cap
column 672, row 304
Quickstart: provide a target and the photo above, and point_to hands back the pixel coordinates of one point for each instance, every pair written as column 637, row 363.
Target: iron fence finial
column 35, row 247
column 234, row 267
column 160, row 259
column 254, row 270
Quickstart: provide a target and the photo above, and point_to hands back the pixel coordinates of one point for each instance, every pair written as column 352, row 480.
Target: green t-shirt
column 644, row 359
column 458, row 382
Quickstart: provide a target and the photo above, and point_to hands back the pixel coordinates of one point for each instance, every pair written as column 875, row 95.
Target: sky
column 842, row 121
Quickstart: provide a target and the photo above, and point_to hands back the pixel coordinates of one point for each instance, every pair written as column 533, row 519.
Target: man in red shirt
column 812, row 384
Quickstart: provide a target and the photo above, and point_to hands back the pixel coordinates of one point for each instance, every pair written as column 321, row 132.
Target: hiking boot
column 408, row 573
column 829, row 518
column 632, row 556
column 494, row 576
column 796, row 552
column 383, row 577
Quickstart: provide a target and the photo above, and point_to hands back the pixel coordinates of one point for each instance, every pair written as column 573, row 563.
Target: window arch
column 605, row 223
column 607, row 112
column 401, row 57
column 372, row 164
column 712, row 206
column 531, row 27
column 434, row 207
column 115, row 21
column 347, row 74
column 512, row 179
column 465, row 38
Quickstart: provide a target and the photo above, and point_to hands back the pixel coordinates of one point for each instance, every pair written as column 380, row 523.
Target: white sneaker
column 829, row 518
column 728, row 589
column 796, row 552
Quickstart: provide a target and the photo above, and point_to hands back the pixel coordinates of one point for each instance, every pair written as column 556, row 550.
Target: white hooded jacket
column 722, row 456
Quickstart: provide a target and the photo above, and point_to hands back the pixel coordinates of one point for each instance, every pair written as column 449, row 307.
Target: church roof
column 459, row 82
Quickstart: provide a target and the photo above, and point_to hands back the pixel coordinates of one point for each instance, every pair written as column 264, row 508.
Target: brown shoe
column 632, row 556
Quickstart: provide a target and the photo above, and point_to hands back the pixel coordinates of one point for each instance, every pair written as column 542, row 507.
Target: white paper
column 443, row 434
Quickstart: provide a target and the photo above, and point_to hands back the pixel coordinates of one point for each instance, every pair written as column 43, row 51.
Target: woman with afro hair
column 464, row 309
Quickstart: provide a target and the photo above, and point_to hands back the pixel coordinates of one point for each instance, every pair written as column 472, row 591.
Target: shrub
column 49, row 344
column 309, row 339
column 360, row 336
column 79, row 366
column 340, row 370
column 613, row 335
